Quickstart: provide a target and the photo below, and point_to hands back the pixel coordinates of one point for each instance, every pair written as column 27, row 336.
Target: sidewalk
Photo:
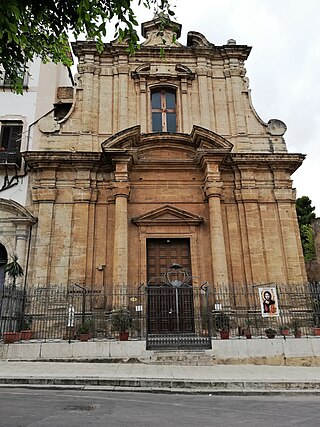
column 218, row 379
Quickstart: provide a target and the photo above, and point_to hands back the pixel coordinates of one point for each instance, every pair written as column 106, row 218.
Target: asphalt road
column 68, row 408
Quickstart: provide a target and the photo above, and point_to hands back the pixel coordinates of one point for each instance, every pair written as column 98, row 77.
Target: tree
column 35, row 27
column 14, row 269
column 305, row 211
column 306, row 215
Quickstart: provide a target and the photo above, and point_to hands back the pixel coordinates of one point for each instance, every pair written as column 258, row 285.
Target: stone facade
column 313, row 267
column 102, row 183
column 18, row 133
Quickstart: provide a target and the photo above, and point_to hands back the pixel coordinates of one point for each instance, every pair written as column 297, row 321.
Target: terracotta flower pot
column 123, row 336
column 85, row 337
column 285, row 332
column 26, row 335
column 10, row 337
column 316, row 331
column 297, row 334
column 224, row 335
column 247, row 333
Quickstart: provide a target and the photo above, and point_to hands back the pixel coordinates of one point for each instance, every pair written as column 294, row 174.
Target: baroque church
column 159, row 161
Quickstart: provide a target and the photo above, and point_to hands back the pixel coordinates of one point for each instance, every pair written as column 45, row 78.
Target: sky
column 283, row 67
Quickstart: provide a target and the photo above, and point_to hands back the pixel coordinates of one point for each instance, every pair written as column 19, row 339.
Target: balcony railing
column 10, row 159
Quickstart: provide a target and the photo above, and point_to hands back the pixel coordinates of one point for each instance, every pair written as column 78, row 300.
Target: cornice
column 285, row 161
column 37, row 159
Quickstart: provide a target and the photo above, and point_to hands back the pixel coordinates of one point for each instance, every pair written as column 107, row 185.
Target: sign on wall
column 269, row 301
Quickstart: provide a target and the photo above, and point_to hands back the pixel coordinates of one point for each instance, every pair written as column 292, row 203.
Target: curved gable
column 199, row 138
column 11, row 210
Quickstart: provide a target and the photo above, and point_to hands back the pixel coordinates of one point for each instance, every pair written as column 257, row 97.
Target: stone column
column 218, row 250
column 123, row 70
column 185, row 104
column 45, row 198
column 22, row 240
column 88, row 88
column 120, row 252
column 21, row 243
column 79, row 235
column 201, row 72
column 121, row 192
column 213, row 190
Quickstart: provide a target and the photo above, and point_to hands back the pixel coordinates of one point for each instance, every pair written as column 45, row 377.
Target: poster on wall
column 269, row 301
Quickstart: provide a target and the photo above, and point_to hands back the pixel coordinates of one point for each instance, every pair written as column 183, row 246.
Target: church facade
column 162, row 160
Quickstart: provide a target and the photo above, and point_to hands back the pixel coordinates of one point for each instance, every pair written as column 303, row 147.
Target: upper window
column 163, row 105
column 10, row 136
column 6, row 82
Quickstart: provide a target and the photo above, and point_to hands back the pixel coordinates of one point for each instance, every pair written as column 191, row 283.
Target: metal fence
column 56, row 312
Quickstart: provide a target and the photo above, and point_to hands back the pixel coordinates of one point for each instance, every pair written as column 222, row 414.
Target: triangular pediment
column 168, row 215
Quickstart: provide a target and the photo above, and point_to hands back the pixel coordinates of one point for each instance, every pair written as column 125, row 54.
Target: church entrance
column 161, row 253
column 172, row 300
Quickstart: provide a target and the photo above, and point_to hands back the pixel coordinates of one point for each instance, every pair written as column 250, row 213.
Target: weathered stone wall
column 313, row 267
column 212, row 91
column 102, row 183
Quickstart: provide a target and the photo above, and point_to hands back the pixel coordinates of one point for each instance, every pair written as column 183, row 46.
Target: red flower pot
column 123, row 336
column 26, row 335
column 85, row 337
column 224, row 335
column 10, row 337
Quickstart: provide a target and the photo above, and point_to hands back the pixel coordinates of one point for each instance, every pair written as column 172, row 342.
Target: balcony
column 10, row 159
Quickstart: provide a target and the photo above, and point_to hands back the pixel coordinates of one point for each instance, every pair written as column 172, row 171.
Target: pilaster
column 121, row 193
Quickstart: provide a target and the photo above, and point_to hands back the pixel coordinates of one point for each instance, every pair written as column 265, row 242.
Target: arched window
column 163, row 105
column 3, row 261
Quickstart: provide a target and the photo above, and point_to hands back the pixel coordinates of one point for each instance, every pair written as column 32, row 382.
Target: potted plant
column 26, row 332
column 223, row 325
column 84, row 330
column 296, row 327
column 14, row 270
column 284, row 330
column 121, row 322
column 270, row 332
column 316, row 316
column 10, row 337
column 247, row 331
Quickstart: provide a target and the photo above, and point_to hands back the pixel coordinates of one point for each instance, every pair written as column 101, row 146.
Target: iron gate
column 177, row 314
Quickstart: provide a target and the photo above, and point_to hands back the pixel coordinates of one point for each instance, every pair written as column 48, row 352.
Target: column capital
column 122, row 166
column 82, row 195
column 43, row 195
column 121, row 189
column 213, row 188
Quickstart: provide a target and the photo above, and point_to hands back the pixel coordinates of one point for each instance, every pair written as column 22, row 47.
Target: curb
column 167, row 386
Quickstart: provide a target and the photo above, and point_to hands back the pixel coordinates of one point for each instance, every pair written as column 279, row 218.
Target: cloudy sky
column 283, row 67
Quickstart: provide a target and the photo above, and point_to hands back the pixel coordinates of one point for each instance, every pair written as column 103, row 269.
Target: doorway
column 161, row 253
column 170, row 307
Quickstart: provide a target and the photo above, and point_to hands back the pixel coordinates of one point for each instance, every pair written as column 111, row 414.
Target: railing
column 56, row 312
column 12, row 158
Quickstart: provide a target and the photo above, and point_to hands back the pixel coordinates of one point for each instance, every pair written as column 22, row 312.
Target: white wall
column 29, row 107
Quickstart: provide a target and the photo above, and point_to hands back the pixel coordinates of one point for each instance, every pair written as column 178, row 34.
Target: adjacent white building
column 19, row 115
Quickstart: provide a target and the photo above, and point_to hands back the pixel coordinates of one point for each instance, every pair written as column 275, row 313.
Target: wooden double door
column 162, row 253
column 170, row 309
